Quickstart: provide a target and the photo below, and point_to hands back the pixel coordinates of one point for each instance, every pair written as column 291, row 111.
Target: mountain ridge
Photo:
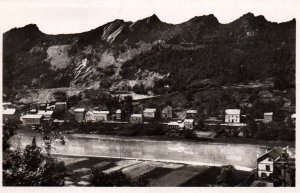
column 121, row 54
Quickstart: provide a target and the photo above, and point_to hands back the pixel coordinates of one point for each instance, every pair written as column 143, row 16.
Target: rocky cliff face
column 120, row 54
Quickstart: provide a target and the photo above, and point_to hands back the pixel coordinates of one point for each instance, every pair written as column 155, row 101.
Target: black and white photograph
column 148, row 94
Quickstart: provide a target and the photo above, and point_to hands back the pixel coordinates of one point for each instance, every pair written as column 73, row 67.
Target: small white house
column 6, row 105
column 31, row 119
column 101, row 115
column 268, row 117
column 96, row 116
column 232, row 115
column 136, row 118
column 293, row 117
column 191, row 114
column 189, row 123
column 175, row 125
column 149, row 113
column 89, row 116
column 167, row 112
column 8, row 113
column 118, row 114
column 79, row 114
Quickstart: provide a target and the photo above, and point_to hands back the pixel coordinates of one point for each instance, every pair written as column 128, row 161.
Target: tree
column 118, row 178
column 9, row 128
column 32, row 168
column 60, row 96
column 226, row 176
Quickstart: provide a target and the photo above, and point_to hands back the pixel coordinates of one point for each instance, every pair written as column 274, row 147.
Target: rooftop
column 137, row 115
column 61, row 103
column 232, row 111
column 191, row 111
column 189, row 120
column 6, row 103
column 32, row 116
column 79, row 110
column 149, row 110
column 45, row 112
column 269, row 113
column 101, row 112
column 274, row 153
column 175, row 124
column 8, row 111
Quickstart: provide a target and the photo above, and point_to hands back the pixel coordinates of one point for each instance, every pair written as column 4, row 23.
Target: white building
column 79, row 114
column 191, row 114
column 293, row 117
column 175, row 125
column 136, row 118
column 118, row 114
column 268, row 117
column 9, row 113
column 167, row 112
column 31, row 119
column 189, row 123
column 232, row 115
column 149, row 113
column 101, row 115
column 6, row 105
column 96, row 116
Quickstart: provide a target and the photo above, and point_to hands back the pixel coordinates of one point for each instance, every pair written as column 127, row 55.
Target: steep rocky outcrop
column 120, row 54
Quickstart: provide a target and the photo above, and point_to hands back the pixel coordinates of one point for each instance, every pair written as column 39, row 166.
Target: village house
column 89, row 116
column 167, row 112
column 31, row 119
column 6, row 105
column 278, row 166
column 232, row 115
column 60, row 106
column 46, row 114
column 8, row 113
column 268, row 117
column 191, row 114
column 265, row 164
column 118, row 115
column 149, row 113
column 79, row 114
column 189, row 123
column 136, row 118
column 293, row 117
column 176, row 125
column 101, row 115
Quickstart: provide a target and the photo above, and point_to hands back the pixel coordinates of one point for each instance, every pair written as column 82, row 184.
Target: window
column 268, row 168
column 263, row 175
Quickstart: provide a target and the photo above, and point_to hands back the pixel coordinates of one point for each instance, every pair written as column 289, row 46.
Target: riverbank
column 242, row 156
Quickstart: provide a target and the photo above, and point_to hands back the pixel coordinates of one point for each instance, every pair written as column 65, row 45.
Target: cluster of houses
column 43, row 113
column 276, row 168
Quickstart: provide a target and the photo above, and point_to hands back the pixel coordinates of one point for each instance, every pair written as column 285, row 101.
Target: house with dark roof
column 265, row 163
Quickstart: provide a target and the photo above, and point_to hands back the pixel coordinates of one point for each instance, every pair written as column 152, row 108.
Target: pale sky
column 57, row 16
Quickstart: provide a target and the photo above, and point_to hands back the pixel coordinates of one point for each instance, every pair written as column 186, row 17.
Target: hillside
column 152, row 53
